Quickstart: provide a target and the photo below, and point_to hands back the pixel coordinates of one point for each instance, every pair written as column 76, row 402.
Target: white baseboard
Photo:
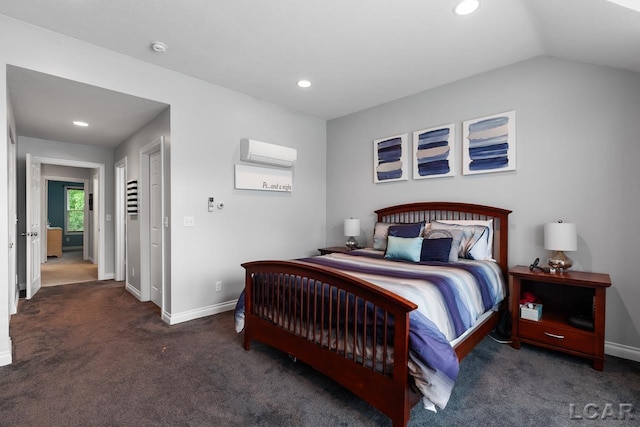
column 5, row 356
column 174, row 319
column 132, row 290
column 623, row 351
column 108, row 276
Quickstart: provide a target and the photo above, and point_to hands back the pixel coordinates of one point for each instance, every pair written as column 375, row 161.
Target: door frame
column 12, row 214
column 101, row 203
column 144, row 219
column 121, row 261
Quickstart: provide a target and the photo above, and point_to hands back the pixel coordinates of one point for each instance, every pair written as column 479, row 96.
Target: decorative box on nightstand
column 333, row 249
column 531, row 311
column 566, row 296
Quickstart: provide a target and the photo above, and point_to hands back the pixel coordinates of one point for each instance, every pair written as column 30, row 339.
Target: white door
column 32, row 227
column 155, row 228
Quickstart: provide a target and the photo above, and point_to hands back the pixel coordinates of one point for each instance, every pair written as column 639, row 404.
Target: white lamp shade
column 351, row 227
column 560, row 236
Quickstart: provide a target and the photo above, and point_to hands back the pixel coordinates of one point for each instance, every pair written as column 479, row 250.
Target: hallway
column 70, row 268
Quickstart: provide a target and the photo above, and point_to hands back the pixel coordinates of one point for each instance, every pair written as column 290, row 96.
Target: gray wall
column 207, row 123
column 577, row 153
column 130, row 149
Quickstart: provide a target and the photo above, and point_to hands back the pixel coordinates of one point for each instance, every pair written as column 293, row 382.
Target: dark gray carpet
column 90, row 354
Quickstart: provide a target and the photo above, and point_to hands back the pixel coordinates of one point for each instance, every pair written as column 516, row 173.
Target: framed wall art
column 434, row 152
column 390, row 159
column 489, row 144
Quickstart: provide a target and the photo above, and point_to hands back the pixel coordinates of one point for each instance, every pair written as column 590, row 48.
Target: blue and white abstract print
column 433, row 152
column 390, row 159
column 489, row 144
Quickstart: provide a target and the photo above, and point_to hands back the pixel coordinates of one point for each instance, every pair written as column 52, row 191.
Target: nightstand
column 562, row 295
column 333, row 249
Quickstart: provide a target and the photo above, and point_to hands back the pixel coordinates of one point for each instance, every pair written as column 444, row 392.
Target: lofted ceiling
column 357, row 53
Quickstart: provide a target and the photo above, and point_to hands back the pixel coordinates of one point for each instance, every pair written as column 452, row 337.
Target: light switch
column 189, row 221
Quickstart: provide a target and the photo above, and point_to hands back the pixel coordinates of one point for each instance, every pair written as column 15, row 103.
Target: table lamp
column 559, row 237
column 351, row 229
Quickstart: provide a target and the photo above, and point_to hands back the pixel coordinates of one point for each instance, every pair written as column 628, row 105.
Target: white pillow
column 483, row 249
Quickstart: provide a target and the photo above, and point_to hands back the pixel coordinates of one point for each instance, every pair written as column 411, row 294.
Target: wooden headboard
column 429, row 211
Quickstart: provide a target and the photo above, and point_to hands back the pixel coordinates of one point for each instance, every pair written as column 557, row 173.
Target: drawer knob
column 549, row 334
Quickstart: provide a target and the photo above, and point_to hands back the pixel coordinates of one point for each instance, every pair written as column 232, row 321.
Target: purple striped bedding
column 451, row 297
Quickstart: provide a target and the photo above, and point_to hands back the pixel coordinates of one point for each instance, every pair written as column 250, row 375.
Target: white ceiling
column 357, row 53
column 45, row 106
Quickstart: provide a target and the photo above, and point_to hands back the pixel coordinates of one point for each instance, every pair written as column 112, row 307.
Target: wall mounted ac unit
column 270, row 154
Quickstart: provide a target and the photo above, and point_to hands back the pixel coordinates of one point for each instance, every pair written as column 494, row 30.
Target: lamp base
column 559, row 261
column 352, row 243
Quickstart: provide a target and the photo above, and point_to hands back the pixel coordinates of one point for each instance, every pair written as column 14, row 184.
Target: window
column 74, row 214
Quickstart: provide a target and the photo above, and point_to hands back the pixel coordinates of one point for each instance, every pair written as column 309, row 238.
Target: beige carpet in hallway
column 70, row 268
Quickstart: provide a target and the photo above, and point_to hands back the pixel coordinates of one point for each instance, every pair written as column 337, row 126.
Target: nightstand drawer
column 555, row 335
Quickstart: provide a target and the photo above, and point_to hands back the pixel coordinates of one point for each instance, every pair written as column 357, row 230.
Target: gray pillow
column 471, row 235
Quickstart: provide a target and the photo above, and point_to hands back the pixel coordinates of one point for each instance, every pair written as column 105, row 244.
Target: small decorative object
column 559, row 237
column 433, row 152
column 390, row 159
column 351, row 229
column 531, row 311
column 489, row 144
column 132, row 197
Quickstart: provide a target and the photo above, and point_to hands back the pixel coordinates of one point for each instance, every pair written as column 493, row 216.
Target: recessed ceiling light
column 81, row 124
column 465, row 7
column 304, row 83
column 159, row 47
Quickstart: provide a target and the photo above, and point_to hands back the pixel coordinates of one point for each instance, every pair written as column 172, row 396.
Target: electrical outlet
column 218, row 286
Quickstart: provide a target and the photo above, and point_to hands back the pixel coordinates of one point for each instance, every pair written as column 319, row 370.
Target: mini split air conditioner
column 270, row 154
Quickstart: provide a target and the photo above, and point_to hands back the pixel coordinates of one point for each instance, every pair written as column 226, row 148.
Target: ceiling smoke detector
column 159, row 47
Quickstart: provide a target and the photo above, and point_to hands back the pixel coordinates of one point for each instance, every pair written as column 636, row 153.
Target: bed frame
column 279, row 314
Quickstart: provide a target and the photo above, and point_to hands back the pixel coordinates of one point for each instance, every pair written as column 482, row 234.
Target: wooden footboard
column 326, row 319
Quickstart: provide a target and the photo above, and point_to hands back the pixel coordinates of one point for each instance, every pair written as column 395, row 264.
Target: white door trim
column 101, row 202
column 143, row 217
column 12, row 208
column 120, row 174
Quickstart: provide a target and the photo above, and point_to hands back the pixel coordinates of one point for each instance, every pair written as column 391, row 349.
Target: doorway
column 98, row 255
column 69, row 212
column 151, row 222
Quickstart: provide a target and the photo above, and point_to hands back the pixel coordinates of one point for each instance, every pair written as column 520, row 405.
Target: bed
column 337, row 314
